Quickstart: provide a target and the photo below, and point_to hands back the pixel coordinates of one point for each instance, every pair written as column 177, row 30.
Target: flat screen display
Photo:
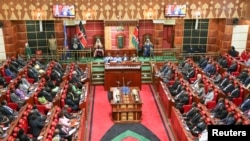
column 175, row 10
column 64, row 11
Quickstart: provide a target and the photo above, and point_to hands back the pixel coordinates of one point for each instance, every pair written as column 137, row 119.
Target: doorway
column 168, row 36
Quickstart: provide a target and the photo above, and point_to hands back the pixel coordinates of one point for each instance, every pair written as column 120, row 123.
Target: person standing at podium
column 148, row 49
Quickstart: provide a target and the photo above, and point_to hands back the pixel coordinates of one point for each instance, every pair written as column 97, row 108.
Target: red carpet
column 101, row 120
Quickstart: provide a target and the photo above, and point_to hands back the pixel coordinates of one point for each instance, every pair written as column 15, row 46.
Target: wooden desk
column 122, row 73
column 166, row 99
column 127, row 109
column 179, row 130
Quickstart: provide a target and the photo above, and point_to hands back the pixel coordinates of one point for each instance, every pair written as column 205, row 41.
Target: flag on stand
column 66, row 47
column 135, row 38
column 81, row 33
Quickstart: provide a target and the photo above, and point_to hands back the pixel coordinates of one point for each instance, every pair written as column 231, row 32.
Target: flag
column 135, row 38
column 81, row 33
column 66, row 47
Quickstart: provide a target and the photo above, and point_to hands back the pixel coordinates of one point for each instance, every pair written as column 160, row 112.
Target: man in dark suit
column 232, row 67
column 6, row 110
column 229, row 119
column 35, row 125
column 190, row 73
column 220, row 103
column 72, row 104
column 223, row 62
column 233, row 52
column 245, row 104
column 180, row 100
column 32, row 73
column 221, row 113
column 187, row 116
column 209, row 69
column 175, row 84
column 229, row 88
column 177, row 90
column 193, row 121
column 203, row 62
column 199, row 127
column 234, row 93
column 243, row 75
column 247, row 81
column 224, row 82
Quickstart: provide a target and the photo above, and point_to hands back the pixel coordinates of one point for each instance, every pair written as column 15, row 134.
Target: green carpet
column 118, row 132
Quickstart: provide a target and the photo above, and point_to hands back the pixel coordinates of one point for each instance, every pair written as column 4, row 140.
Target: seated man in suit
column 117, row 59
column 99, row 52
column 32, row 73
column 108, row 58
column 20, row 60
column 196, row 130
column 8, row 72
column 180, row 100
column 222, row 61
column 134, row 58
column 229, row 87
column 235, row 93
column 203, row 62
column 3, row 82
column 191, row 112
column 220, row 103
column 243, row 75
column 174, row 85
column 209, row 68
column 225, row 81
column 125, row 58
column 247, row 81
column 177, row 90
column 232, row 67
column 190, row 73
column 7, row 111
column 221, row 113
column 217, row 78
column 233, row 52
column 35, row 125
column 228, row 120
column 245, row 104
column 194, row 120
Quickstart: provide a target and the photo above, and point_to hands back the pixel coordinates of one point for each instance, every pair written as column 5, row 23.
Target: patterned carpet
column 129, row 131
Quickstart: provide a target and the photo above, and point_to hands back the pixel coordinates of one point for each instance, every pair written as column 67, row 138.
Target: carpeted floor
column 103, row 128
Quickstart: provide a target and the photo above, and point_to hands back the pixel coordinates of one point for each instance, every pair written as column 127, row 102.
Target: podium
column 122, row 73
column 128, row 107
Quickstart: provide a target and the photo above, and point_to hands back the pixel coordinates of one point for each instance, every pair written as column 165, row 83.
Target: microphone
column 128, row 83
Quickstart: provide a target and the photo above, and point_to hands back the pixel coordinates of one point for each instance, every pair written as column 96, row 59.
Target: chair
column 13, row 106
column 186, row 108
column 42, row 109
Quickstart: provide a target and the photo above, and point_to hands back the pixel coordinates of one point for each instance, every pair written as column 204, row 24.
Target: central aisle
column 102, row 122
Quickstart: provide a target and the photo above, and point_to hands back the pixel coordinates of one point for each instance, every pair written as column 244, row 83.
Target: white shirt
column 209, row 97
column 204, row 136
